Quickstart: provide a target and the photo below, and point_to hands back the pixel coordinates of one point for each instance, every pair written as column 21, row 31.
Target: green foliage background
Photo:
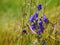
column 14, row 15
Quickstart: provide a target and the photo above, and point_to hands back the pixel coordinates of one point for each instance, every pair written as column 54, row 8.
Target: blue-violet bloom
column 24, row 31
column 45, row 19
column 39, row 32
column 33, row 26
column 31, row 18
column 39, row 7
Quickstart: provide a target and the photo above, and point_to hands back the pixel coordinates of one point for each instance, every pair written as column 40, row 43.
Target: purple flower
column 31, row 18
column 45, row 19
column 39, row 32
column 42, row 29
column 36, row 14
column 40, row 23
column 41, row 26
column 34, row 17
column 33, row 26
column 24, row 31
column 39, row 7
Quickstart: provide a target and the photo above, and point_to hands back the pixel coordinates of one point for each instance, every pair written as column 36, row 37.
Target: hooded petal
column 24, row 31
column 39, row 7
column 33, row 26
column 31, row 18
column 45, row 19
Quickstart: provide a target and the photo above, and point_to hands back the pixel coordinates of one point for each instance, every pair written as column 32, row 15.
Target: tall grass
column 14, row 14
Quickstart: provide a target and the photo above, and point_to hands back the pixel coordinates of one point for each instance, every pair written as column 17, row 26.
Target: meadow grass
column 14, row 14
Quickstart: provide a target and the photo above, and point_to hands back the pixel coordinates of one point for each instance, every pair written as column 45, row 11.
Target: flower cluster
column 37, row 23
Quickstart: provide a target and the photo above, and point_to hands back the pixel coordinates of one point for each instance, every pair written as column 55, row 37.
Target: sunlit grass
column 11, row 22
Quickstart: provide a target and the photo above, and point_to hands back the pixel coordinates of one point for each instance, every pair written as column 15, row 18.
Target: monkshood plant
column 37, row 25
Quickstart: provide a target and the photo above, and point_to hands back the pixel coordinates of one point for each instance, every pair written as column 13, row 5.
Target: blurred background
column 14, row 15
